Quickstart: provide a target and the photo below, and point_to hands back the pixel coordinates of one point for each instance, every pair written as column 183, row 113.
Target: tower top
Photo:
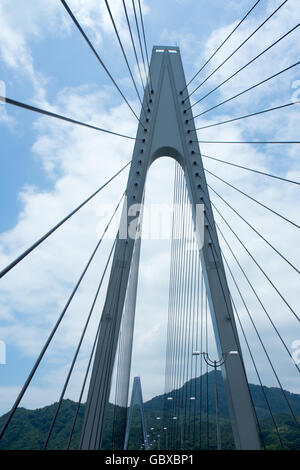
column 171, row 49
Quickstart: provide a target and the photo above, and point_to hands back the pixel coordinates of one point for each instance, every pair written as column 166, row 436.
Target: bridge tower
column 136, row 400
column 165, row 129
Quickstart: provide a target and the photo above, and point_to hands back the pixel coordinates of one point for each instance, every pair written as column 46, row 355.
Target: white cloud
column 279, row 57
column 77, row 161
column 18, row 25
column 24, row 22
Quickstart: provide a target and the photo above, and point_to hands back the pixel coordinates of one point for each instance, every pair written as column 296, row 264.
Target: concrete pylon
column 167, row 131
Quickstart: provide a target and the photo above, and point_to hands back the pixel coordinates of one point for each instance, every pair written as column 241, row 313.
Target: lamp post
column 158, row 442
column 215, row 364
column 176, row 418
column 169, row 399
column 181, row 432
column 152, row 430
column 166, row 429
column 191, row 400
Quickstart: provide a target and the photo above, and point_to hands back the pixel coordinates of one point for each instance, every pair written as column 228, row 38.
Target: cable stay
column 256, row 231
column 249, row 348
column 239, row 47
column 268, row 316
column 145, row 42
column 58, row 406
column 251, row 355
column 124, row 55
column 140, row 42
column 251, row 169
column 59, row 116
column 221, row 45
column 246, row 91
column 83, row 387
column 253, row 199
column 53, row 229
column 258, row 298
column 108, row 347
column 99, row 59
column 258, row 334
column 254, row 142
column 58, row 322
column 245, row 116
column 257, row 264
column 244, row 66
column 135, row 50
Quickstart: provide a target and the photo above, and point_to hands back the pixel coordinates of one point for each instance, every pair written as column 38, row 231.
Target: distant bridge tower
column 136, row 399
column 164, row 130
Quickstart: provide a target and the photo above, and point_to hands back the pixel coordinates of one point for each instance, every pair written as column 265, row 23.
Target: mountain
column 192, row 388
column 29, row 428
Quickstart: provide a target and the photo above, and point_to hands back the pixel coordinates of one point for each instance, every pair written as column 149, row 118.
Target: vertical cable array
column 187, row 383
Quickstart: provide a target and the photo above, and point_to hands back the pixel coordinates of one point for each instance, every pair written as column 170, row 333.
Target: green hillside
column 29, row 428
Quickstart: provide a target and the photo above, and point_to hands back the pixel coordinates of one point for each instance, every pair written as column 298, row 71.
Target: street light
column 166, row 429
column 215, row 365
column 181, row 432
column 158, row 419
column 220, row 362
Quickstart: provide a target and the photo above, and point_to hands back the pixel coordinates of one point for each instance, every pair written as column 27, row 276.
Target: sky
column 49, row 167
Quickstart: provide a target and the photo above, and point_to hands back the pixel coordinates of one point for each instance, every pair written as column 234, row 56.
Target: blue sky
column 48, row 167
